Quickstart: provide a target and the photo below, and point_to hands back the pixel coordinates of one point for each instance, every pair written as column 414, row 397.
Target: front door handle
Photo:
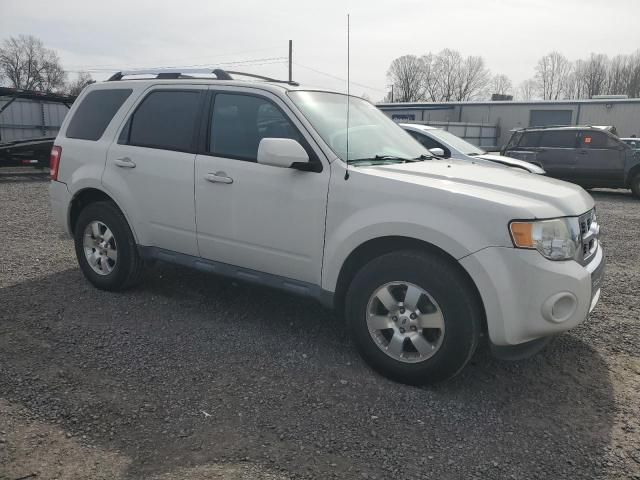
column 125, row 162
column 218, row 177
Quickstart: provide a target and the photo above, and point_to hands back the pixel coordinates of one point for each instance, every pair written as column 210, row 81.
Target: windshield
column 455, row 142
column 372, row 135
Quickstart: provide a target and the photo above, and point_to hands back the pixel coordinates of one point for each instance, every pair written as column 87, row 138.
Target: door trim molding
column 248, row 275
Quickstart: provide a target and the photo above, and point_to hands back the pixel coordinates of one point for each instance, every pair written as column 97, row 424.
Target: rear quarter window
column 95, row 112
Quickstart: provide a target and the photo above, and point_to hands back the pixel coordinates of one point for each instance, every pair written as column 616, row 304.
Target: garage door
column 543, row 118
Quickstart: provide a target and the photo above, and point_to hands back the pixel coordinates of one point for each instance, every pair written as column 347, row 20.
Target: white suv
column 259, row 181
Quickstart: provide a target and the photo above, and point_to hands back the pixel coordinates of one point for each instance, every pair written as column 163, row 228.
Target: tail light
column 54, row 161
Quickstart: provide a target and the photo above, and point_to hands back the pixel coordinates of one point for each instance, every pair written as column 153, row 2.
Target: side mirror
column 281, row 152
column 438, row 152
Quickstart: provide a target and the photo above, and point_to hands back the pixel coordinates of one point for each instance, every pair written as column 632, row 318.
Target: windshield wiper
column 383, row 158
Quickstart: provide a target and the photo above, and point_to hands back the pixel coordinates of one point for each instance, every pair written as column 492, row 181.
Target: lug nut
column 413, row 316
column 402, row 310
column 401, row 330
column 394, row 318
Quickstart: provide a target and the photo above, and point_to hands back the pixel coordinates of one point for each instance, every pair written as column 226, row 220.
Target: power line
column 86, row 66
column 250, row 62
column 335, row 77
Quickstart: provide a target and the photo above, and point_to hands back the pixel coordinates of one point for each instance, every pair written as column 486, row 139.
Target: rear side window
column 239, row 122
column 95, row 112
column 559, row 139
column 165, row 119
column 598, row 140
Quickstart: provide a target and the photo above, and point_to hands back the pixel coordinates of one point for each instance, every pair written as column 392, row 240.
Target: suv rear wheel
column 105, row 247
column 635, row 185
column 414, row 317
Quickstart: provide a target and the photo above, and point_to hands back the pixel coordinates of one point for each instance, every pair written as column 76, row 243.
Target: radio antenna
column 346, row 171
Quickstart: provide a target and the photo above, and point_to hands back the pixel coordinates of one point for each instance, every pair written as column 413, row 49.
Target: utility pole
column 291, row 60
column 391, row 92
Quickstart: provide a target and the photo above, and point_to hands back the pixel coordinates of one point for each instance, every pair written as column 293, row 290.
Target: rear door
column 150, row 167
column 600, row 159
column 557, row 153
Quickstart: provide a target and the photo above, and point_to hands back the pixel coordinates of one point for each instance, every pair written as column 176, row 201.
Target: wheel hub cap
column 100, row 248
column 405, row 322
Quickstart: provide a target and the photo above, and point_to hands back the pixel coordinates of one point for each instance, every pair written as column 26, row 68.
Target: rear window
column 165, row 119
column 598, row 140
column 95, row 112
column 559, row 139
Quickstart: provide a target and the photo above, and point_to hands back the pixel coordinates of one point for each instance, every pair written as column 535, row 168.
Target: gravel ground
column 189, row 376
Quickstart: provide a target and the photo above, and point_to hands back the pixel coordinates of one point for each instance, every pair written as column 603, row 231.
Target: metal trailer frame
column 32, row 151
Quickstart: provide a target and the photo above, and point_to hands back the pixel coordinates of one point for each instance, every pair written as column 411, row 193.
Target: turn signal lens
column 522, row 234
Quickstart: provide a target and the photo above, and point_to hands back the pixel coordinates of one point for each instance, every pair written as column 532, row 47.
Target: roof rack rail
column 186, row 73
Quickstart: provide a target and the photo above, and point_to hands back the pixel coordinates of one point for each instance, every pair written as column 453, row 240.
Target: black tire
column 635, row 185
column 127, row 270
column 453, row 292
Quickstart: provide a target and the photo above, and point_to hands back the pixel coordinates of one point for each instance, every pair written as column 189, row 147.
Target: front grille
column 589, row 233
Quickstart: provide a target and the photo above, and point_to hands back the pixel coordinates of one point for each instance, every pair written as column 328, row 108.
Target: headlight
column 556, row 239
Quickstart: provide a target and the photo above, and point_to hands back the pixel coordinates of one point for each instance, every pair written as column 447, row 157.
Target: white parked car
column 447, row 145
column 256, row 181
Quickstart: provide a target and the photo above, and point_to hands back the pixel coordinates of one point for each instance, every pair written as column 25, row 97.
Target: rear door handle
column 125, row 162
column 218, row 177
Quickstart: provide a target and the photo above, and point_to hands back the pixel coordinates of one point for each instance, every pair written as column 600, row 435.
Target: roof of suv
column 195, row 77
column 562, row 127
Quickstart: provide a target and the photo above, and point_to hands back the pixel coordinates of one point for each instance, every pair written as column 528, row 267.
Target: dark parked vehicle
column 589, row 156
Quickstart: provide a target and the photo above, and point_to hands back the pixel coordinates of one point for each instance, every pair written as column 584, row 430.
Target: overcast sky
column 511, row 35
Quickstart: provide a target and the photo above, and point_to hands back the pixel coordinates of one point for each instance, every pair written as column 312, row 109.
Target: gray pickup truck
column 589, row 156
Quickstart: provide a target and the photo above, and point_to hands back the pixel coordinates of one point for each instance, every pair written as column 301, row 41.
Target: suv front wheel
column 414, row 316
column 105, row 247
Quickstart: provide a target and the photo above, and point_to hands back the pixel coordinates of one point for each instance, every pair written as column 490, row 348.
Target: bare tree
column 528, row 90
column 450, row 77
column 406, row 73
column 592, row 73
column 25, row 63
column 84, row 78
column 553, row 74
column 501, row 84
column 473, row 79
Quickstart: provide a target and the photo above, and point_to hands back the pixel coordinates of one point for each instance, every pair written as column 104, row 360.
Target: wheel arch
column 87, row 196
column 376, row 247
column 632, row 173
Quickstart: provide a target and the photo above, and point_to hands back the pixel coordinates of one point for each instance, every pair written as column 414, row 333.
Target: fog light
column 559, row 307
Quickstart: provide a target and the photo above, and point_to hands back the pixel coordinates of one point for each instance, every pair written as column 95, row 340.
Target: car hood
column 535, row 196
column 513, row 162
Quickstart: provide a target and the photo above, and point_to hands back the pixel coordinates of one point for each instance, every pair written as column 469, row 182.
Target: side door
column 600, row 159
column 557, row 153
column 150, row 167
column 255, row 216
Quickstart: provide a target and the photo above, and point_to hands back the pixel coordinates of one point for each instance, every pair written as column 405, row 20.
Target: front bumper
column 527, row 296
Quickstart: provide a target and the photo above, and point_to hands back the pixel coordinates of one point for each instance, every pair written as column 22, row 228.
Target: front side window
column 165, row 119
column 371, row 132
column 95, row 113
column 559, row 139
column 429, row 143
column 530, row 139
column 239, row 122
